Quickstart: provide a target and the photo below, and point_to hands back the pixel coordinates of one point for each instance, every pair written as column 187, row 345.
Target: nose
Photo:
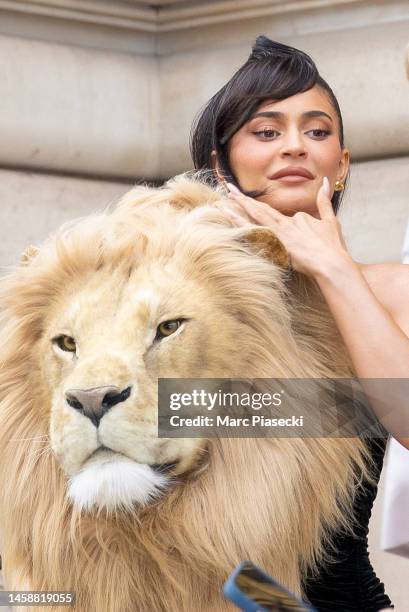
column 94, row 403
column 293, row 145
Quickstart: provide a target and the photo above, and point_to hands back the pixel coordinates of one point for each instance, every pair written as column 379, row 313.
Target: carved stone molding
column 162, row 16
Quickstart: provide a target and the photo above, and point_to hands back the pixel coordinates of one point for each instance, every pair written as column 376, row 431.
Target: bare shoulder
column 390, row 284
column 390, row 272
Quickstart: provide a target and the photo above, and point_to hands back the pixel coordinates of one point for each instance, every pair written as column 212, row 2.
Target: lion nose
column 94, row 403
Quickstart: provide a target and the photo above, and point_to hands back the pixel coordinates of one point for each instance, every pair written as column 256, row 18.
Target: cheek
column 244, row 150
column 47, row 365
column 53, row 370
column 327, row 159
column 249, row 158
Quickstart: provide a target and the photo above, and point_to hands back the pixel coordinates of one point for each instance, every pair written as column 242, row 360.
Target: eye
column 167, row 328
column 66, row 343
column 267, row 133
column 320, row 134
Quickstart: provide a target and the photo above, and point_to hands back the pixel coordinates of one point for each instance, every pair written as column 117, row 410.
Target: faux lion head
column 157, row 288
column 162, row 286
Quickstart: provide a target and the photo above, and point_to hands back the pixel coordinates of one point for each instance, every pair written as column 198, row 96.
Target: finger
column 259, row 213
column 324, row 203
column 234, row 208
column 237, row 219
column 232, row 214
column 260, row 219
column 252, row 206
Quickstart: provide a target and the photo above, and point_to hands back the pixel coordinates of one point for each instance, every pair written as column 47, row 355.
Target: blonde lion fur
column 274, row 501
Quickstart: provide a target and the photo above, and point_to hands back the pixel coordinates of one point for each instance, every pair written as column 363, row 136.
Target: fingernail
column 233, row 188
column 325, row 186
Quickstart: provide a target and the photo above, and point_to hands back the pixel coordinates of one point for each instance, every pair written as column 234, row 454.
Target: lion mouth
column 102, row 455
column 106, row 453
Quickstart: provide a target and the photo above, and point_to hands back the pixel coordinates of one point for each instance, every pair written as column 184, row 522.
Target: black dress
column 350, row 584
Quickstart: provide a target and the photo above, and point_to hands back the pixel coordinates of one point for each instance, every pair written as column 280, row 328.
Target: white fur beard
column 115, row 482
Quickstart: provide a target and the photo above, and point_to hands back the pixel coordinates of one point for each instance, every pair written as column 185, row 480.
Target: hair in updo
column 273, row 71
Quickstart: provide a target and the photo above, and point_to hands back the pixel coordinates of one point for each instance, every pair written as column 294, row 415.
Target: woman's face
column 297, row 134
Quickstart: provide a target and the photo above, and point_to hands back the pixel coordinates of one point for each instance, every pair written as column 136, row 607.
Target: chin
column 114, row 482
column 292, row 197
column 291, row 205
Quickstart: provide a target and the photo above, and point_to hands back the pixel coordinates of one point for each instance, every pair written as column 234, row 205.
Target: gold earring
column 339, row 186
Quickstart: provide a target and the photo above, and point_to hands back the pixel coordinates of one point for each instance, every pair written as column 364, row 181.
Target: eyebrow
column 307, row 115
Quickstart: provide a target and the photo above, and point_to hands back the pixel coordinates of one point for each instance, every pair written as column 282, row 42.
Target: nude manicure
column 233, row 188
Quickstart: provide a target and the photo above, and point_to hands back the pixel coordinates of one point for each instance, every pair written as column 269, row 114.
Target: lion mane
column 274, row 501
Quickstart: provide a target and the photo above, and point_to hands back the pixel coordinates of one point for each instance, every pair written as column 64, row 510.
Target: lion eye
column 167, row 328
column 66, row 343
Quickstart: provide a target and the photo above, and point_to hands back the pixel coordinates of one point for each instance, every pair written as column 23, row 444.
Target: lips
column 292, row 171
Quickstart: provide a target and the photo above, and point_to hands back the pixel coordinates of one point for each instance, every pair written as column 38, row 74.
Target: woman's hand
column 314, row 245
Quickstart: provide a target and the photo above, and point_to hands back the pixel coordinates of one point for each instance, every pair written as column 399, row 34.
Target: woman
column 274, row 135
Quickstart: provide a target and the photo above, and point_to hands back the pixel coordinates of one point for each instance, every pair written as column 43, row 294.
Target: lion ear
column 264, row 242
column 29, row 254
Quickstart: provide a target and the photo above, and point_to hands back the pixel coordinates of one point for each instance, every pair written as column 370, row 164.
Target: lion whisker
column 37, row 453
column 45, row 437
